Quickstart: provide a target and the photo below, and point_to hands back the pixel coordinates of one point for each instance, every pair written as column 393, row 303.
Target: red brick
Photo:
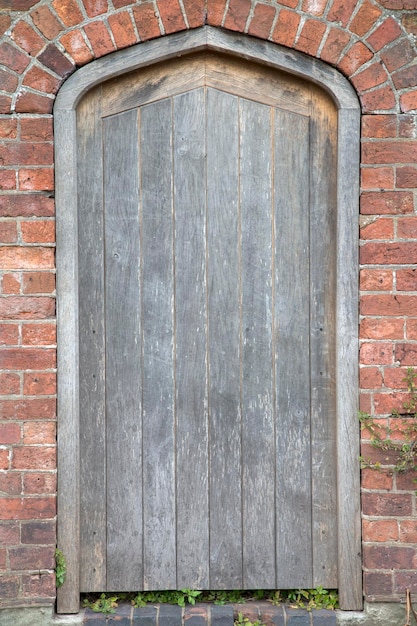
column 407, row 279
column 39, row 384
column 292, row 4
column 379, row 126
column 29, row 102
column 365, row 18
column 195, row 11
column 382, row 99
column 68, row 12
column 237, row 14
column 341, row 11
column 39, row 483
column 406, row 481
column 382, row 328
column 412, row 329
column 365, row 402
column 407, row 177
column 38, row 232
column 261, row 23
column 122, row 28
column 99, row 38
column 27, row 508
column 394, row 377
column 377, row 178
column 5, row 21
column 384, row 34
column 55, row 60
column 41, row 179
column 376, row 280
column 8, row 232
column 381, row 152
column 398, row 55
column 146, row 21
column 26, row 153
column 38, row 282
column 373, row 76
column 379, row 530
column 406, row 353
column 41, row 533
column 377, row 583
column 10, row 433
column 387, row 504
column 370, row 378
column 39, row 586
column 36, row 408
column 389, row 253
column 376, row 354
column 405, row 580
column 4, row 459
column 9, row 533
column 407, row 126
column 121, row 3
column 34, row 457
column 8, row 128
column 405, row 77
column 95, row 7
column 7, row 179
column 8, row 81
column 39, row 335
column 355, row 57
column 409, row 22
column 36, row 129
column 25, row 37
column 336, row 42
column 32, row 558
column 9, row 384
column 408, row 101
column 76, row 47
column 27, row 358
column 388, row 305
column 27, row 308
column 11, row 485
column 26, row 205
column 310, row 37
column 46, row 22
column 9, row 586
column 39, row 432
column 171, row 16
column 9, row 334
column 286, row 28
column 10, row 284
column 408, row 531
column 314, row 7
column 13, row 58
column 378, row 228
column 386, row 403
column 41, row 80
column 377, row 479
column 14, row 257
column 386, row 202
column 215, row 12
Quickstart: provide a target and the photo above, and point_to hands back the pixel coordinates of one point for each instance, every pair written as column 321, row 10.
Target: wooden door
column 207, row 252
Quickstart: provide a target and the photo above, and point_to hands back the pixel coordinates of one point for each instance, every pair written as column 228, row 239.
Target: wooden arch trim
column 276, row 57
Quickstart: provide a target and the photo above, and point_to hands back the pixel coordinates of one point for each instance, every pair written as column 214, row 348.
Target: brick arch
column 44, row 43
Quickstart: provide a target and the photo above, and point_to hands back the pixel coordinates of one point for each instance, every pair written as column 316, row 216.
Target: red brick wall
column 41, row 44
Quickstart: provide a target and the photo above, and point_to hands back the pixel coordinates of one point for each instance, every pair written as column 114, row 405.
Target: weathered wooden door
column 207, row 310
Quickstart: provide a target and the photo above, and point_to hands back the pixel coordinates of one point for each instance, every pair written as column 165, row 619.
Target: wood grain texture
column 189, row 149
column 92, row 348
column 291, row 350
column 123, row 352
column 258, row 445
column 223, row 267
column 159, row 556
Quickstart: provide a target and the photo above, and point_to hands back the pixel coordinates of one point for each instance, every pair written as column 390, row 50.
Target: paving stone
column 221, row 615
column 170, row 615
column 324, row 618
column 297, row 617
column 144, row 616
column 273, row 615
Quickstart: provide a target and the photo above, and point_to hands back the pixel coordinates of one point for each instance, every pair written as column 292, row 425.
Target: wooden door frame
column 344, row 96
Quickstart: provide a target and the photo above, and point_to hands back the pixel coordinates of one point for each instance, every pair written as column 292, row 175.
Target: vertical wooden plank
column 123, row 353
column 158, row 347
column 258, row 445
column 323, row 229
column 191, row 326
column 92, row 348
column 223, row 244
column 291, row 321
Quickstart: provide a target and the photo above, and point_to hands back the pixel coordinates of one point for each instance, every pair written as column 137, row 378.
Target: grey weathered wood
column 292, row 367
column 189, row 151
column 67, row 258
column 258, row 441
column 223, row 267
column 159, row 551
column 68, row 523
column 123, row 352
column 323, row 225
column 92, row 348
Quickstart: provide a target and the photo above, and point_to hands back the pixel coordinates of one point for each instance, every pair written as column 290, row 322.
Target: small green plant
column 317, row 598
column 224, row 597
column 180, row 597
column 105, row 603
column 404, row 451
column 245, row 621
column 60, row 568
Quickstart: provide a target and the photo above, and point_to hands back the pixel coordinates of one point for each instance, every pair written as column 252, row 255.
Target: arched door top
column 265, row 55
